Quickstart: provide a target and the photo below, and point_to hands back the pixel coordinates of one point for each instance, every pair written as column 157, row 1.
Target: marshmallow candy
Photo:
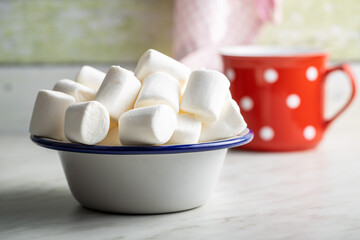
column 187, row 130
column 229, row 124
column 90, row 77
column 80, row 92
column 150, row 125
column 228, row 96
column 49, row 113
column 118, row 91
column 112, row 138
column 153, row 61
column 159, row 88
column 87, row 122
column 205, row 94
column 113, row 124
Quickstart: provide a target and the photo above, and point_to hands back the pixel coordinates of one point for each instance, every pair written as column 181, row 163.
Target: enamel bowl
column 143, row 179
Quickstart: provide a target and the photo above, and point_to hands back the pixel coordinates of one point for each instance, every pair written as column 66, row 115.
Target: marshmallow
column 187, row 130
column 229, row 124
column 153, row 61
column 113, row 124
column 112, row 138
column 205, row 94
column 159, row 88
column 90, row 77
column 150, row 125
column 80, row 92
column 86, row 122
column 228, row 96
column 49, row 113
column 118, row 91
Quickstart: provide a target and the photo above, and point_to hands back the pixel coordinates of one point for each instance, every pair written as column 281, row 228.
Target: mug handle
column 347, row 70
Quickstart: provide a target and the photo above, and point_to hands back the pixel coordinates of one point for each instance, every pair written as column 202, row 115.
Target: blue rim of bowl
column 243, row 138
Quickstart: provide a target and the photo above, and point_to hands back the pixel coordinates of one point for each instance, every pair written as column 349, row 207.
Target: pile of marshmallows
column 162, row 102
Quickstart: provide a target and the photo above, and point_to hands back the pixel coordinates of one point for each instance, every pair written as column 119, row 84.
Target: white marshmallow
column 229, row 124
column 205, row 94
column 228, row 96
column 112, row 138
column 80, row 92
column 118, row 91
column 49, row 114
column 153, row 61
column 86, row 122
column 150, row 125
column 159, row 88
column 187, row 130
column 113, row 124
column 90, row 77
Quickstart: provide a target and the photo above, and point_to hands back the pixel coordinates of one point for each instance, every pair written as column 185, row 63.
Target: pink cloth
column 202, row 27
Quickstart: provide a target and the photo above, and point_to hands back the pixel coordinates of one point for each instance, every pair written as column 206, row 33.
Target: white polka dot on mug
column 311, row 73
column 246, row 103
column 293, row 101
column 267, row 133
column 230, row 73
column 270, row 75
column 309, row 132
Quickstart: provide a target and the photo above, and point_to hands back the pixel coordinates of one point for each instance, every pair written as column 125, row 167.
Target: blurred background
column 43, row 41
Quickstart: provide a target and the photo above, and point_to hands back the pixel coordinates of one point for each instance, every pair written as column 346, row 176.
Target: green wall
column 82, row 30
column 110, row 31
column 330, row 24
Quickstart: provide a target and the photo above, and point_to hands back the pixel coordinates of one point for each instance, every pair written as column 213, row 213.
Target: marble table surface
column 311, row 194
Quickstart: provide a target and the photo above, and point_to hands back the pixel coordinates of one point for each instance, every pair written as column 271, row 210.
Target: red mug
column 280, row 92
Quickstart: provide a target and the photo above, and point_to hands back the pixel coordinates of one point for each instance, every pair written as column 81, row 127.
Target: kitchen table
column 312, row 194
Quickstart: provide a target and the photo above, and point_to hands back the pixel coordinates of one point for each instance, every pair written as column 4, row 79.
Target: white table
column 301, row 195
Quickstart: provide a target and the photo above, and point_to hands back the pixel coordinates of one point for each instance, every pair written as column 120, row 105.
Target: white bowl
column 146, row 179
